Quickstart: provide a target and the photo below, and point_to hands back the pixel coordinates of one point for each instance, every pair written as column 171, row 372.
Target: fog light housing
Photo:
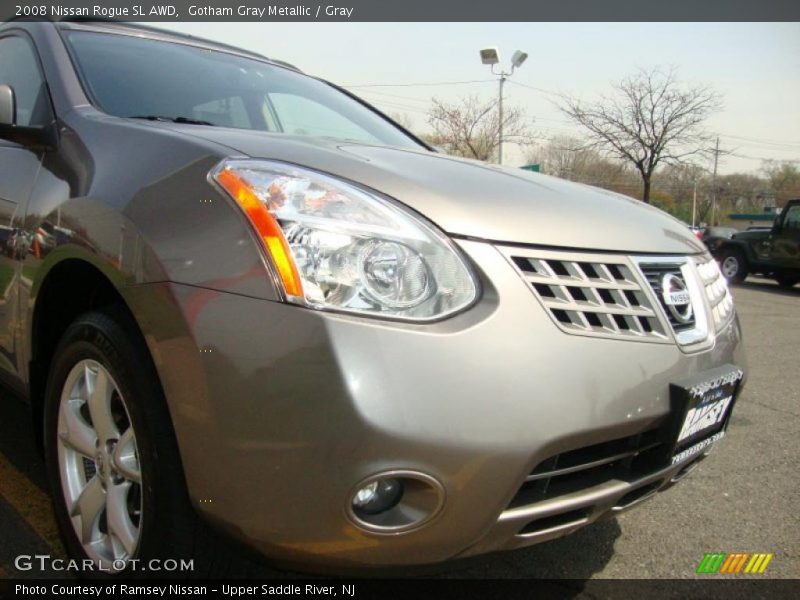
column 378, row 496
column 394, row 502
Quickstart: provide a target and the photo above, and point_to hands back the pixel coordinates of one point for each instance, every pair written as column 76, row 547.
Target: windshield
column 130, row 76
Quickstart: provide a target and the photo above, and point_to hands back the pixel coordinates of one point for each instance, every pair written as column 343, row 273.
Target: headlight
column 337, row 246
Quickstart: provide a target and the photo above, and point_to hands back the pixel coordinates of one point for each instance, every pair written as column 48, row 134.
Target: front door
column 786, row 239
column 19, row 68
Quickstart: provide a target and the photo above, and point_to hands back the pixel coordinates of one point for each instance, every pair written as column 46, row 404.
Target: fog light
column 395, row 501
column 377, row 497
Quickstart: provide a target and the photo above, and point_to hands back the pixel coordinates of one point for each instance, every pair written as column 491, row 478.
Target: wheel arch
column 738, row 245
column 53, row 308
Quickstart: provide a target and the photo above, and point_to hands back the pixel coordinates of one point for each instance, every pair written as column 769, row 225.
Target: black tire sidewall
column 100, row 337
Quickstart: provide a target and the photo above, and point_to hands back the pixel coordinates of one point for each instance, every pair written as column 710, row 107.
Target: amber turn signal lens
column 267, row 227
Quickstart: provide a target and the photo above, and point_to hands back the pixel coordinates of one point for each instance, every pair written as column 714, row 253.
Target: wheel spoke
column 99, row 389
column 88, row 506
column 74, row 431
column 94, row 424
column 118, row 519
column 126, row 458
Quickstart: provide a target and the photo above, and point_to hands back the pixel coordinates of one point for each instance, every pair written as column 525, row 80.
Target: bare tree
column 689, row 185
column 470, row 127
column 783, row 178
column 649, row 119
column 561, row 156
column 570, row 158
column 741, row 192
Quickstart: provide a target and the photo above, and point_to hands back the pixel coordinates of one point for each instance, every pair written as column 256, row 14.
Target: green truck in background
column 774, row 253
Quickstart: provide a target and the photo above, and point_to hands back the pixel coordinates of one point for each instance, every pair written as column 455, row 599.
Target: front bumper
column 280, row 411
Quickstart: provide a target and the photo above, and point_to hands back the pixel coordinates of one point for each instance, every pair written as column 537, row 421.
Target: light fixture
column 518, row 58
column 377, row 497
column 490, row 56
column 339, row 246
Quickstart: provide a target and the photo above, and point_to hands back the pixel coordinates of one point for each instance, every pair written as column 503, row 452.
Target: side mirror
column 33, row 137
column 8, row 105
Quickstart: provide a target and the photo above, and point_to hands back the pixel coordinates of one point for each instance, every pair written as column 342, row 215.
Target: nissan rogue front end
column 265, row 307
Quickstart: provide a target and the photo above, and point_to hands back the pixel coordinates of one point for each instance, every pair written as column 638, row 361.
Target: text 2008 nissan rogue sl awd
column 236, row 296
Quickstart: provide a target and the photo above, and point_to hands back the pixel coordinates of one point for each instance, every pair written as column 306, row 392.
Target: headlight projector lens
column 394, row 274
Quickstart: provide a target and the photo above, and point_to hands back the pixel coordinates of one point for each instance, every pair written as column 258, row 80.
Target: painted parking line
column 31, row 503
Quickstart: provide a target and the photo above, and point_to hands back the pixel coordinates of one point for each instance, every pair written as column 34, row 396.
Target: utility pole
column 714, row 185
column 694, row 202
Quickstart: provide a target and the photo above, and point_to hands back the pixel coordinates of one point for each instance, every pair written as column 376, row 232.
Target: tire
column 733, row 265
column 153, row 518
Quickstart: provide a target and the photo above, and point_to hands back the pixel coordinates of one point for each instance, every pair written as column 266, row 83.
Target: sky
column 755, row 67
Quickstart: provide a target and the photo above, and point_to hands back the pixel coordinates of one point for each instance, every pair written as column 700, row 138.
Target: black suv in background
column 772, row 252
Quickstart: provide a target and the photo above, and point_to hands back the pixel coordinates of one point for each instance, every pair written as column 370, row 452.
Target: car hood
column 473, row 199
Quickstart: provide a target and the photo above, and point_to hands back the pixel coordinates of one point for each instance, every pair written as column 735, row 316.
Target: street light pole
column 500, row 125
column 490, row 56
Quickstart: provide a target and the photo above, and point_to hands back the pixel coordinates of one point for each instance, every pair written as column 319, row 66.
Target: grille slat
column 622, row 459
column 601, row 296
column 609, row 309
column 585, row 283
column 590, row 465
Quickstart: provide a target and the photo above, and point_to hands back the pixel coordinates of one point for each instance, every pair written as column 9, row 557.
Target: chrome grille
column 597, row 295
column 719, row 297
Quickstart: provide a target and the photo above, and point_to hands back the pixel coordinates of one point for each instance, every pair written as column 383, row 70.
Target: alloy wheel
column 99, row 465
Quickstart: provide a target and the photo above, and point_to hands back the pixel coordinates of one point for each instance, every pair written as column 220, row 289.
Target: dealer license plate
column 706, row 416
column 702, row 406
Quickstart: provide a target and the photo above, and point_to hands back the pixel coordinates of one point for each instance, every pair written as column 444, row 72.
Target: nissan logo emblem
column 676, row 297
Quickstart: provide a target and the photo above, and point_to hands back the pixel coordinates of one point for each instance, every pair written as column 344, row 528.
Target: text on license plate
column 704, row 416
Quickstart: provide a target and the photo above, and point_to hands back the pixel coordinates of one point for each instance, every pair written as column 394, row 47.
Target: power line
column 397, row 102
column 762, row 141
column 763, row 148
column 394, row 106
column 422, row 84
column 536, row 89
column 745, row 156
column 396, row 96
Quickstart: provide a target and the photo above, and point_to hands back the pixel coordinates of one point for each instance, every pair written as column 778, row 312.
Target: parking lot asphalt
column 744, row 498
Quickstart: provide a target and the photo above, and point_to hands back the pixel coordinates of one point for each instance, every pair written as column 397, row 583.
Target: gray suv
column 243, row 303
